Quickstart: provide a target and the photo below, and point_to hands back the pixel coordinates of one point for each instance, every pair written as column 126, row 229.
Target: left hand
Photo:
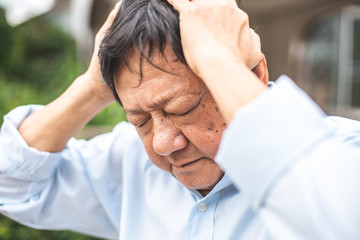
column 221, row 49
column 212, row 29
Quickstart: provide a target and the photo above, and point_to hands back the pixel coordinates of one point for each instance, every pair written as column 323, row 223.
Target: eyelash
column 179, row 115
column 190, row 110
column 142, row 124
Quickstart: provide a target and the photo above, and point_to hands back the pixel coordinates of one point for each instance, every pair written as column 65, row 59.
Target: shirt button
column 202, row 207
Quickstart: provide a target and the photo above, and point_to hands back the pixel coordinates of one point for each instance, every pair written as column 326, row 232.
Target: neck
column 204, row 192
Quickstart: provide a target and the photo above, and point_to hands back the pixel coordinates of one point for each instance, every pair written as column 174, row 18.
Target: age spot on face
column 171, row 137
column 211, row 126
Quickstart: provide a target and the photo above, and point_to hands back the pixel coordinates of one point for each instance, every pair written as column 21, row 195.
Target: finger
column 256, row 38
column 257, row 48
column 105, row 27
column 113, row 13
column 179, row 5
column 110, row 18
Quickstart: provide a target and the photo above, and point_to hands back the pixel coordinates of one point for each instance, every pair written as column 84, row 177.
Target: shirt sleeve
column 72, row 190
column 298, row 169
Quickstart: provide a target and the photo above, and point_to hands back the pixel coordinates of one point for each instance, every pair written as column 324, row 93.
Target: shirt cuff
column 267, row 136
column 17, row 159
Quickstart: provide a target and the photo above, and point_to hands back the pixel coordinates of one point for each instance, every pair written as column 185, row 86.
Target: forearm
column 31, row 181
column 50, row 128
column 282, row 164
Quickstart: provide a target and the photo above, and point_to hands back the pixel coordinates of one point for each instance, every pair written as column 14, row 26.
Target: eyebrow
column 163, row 102
column 133, row 111
column 151, row 106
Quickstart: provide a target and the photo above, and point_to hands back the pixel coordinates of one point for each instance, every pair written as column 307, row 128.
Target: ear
column 261, row 71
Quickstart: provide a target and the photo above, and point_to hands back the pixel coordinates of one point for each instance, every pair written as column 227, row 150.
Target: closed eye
column 190, row 110
column 144, row 122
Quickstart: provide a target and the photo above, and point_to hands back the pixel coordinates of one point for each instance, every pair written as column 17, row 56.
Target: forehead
column 165, row 65
column 162, row 79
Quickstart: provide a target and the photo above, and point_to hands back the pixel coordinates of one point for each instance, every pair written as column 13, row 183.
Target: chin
column 201, row 183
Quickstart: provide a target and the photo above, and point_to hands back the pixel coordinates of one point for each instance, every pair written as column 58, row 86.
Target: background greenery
column 38, row 61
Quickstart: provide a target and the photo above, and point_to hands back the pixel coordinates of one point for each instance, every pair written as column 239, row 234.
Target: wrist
column 94, row 89
column 50, row 128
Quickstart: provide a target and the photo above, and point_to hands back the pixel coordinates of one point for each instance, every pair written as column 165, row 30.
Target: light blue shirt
column 298, row 175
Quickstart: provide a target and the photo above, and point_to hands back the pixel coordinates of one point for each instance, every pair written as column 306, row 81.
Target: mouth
column 187, row 166
column 190, row 163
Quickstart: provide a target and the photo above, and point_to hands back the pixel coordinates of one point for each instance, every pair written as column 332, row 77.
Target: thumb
column 179, row 5
column 257, row 48
column 109, row 19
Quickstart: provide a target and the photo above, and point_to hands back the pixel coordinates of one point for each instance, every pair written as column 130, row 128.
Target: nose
column 167, row 137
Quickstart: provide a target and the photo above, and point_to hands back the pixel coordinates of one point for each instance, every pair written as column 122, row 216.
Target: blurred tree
column 38, row 61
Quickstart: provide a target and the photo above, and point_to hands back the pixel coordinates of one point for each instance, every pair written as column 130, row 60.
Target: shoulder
column 344, row 124
column 347, row 130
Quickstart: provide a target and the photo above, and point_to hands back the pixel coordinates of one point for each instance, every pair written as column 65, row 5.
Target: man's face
column 176, row 118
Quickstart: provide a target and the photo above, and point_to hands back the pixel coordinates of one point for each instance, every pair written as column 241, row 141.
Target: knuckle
column 244, row 17
column 112, row 15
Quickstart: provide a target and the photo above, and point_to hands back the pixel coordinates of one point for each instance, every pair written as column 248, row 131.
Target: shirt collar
column 222, row 184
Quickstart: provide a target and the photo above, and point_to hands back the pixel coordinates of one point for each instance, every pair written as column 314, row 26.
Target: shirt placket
column 202, row 217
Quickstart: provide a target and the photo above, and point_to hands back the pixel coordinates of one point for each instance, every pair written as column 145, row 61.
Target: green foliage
column 10, row 230
column 38, row 61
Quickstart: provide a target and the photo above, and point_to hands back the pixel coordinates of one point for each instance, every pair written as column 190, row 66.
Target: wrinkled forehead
column 162, row 80
column 143, row 67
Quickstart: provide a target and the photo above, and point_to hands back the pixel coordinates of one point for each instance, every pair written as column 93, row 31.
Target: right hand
column 51, row 128
column 93, row 74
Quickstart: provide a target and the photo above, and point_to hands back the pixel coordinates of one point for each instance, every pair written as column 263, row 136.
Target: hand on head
column 211, row 29
column 221, row 49
column 93, row 74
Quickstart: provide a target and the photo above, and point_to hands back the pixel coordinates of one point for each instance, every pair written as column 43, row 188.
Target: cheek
column 206, row 133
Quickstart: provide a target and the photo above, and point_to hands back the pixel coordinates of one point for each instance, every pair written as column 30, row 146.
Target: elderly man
column 159, row 177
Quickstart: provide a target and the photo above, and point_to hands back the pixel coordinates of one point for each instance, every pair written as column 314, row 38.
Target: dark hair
column 142, row 25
